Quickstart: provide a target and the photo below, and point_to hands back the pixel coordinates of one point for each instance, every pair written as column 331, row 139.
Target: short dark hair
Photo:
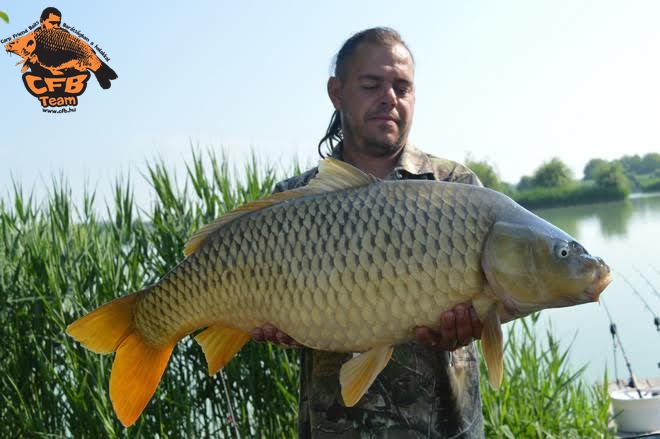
column 48, row 11
column 381, row 36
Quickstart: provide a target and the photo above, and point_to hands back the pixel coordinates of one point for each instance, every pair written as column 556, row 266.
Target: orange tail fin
column 137, row 368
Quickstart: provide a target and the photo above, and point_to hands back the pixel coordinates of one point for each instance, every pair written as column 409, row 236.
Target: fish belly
column 342, row 271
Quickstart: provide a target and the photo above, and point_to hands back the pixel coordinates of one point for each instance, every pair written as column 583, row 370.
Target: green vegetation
column 592, row 167
column 554, row 173
column 643, row 172
column 486, row 173
column 4, row 17
column 59, row 261
column 638, row 165
column 540, row 397
column 569, row 195
column 552, row 184
column 650, row 184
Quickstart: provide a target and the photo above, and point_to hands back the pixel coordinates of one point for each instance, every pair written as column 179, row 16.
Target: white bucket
column 633, row 414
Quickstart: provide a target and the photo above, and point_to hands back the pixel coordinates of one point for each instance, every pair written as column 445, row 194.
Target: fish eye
column 562, row 250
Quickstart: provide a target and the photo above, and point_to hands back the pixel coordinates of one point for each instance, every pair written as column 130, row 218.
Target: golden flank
column 347, row 263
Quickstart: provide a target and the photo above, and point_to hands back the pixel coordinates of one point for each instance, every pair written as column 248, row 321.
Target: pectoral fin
column 220, row 344
column 492, row 346
column 357, row 374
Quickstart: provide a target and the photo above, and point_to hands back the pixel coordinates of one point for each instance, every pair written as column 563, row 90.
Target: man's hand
column 457, row 328
column 270, row 333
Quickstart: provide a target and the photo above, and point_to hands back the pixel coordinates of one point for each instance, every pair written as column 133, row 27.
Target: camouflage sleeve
column 448, row 170
column 464, row 175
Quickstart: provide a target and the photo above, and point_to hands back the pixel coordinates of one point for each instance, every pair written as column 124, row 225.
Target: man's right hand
column 456, row 328
column 270, row 333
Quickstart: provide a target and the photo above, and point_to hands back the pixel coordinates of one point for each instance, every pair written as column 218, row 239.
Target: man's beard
column 374, row 147
column 383, row 148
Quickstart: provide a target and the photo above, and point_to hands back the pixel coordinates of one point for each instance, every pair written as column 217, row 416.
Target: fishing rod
column 656, row 320
column 616, row 340
column 648, row 282
column 231, row 418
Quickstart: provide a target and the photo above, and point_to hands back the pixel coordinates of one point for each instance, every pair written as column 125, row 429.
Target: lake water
column 626, row 235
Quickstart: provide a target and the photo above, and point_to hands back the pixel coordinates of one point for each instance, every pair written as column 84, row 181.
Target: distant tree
column 592, row 167
column 650, row 163
column 525, row 183
column 486, row 173
column 611, row 177
column 631, row 164
column 554, row 173
column 508, row 188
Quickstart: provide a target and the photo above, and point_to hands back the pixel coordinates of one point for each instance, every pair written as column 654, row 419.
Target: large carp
column 347, row 263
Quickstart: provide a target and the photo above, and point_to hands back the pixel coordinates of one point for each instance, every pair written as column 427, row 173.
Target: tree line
column 553, row 182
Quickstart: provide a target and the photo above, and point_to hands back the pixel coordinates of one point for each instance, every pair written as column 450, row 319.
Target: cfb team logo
column 56, row 64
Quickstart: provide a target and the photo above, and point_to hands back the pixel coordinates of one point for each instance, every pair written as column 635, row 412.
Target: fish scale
column 270, row 255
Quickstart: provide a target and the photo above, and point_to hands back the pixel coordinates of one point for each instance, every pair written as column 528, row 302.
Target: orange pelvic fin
column 220, row 344
column 359, row 373
column 138, row 366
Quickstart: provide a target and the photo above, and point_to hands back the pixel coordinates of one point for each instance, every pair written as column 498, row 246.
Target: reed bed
column 59, row 260
column 541, row 396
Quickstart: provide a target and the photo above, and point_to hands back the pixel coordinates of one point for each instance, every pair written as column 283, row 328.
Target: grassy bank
column 58, row 261
column 571, row 195
column 650, row 184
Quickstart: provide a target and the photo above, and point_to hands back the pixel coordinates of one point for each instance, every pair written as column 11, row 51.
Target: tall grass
column 59, row 260
column 541, row 396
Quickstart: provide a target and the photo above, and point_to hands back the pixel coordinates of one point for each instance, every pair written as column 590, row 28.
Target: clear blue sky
column 514, row 82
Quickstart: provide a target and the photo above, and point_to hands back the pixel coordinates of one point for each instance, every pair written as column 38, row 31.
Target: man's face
column 52, row 22
column 377, row 98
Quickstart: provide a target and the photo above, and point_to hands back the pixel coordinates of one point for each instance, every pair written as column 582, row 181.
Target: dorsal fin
column 333, row 175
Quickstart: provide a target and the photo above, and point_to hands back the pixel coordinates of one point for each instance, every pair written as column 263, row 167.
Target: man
column 51, row 18
column 429, row 389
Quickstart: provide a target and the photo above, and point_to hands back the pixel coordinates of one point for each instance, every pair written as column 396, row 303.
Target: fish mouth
column 602, row 279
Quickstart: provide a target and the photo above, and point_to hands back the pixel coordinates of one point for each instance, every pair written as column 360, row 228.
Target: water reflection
column 613, row 218
column 646, row 203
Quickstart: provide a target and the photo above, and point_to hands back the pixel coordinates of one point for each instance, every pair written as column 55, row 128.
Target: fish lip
column 603, row 279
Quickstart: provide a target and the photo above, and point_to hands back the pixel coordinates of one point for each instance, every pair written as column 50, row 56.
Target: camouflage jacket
column 421, row 393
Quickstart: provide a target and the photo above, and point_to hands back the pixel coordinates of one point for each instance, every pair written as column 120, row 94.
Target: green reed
column 541, row 396
column 59, row 260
